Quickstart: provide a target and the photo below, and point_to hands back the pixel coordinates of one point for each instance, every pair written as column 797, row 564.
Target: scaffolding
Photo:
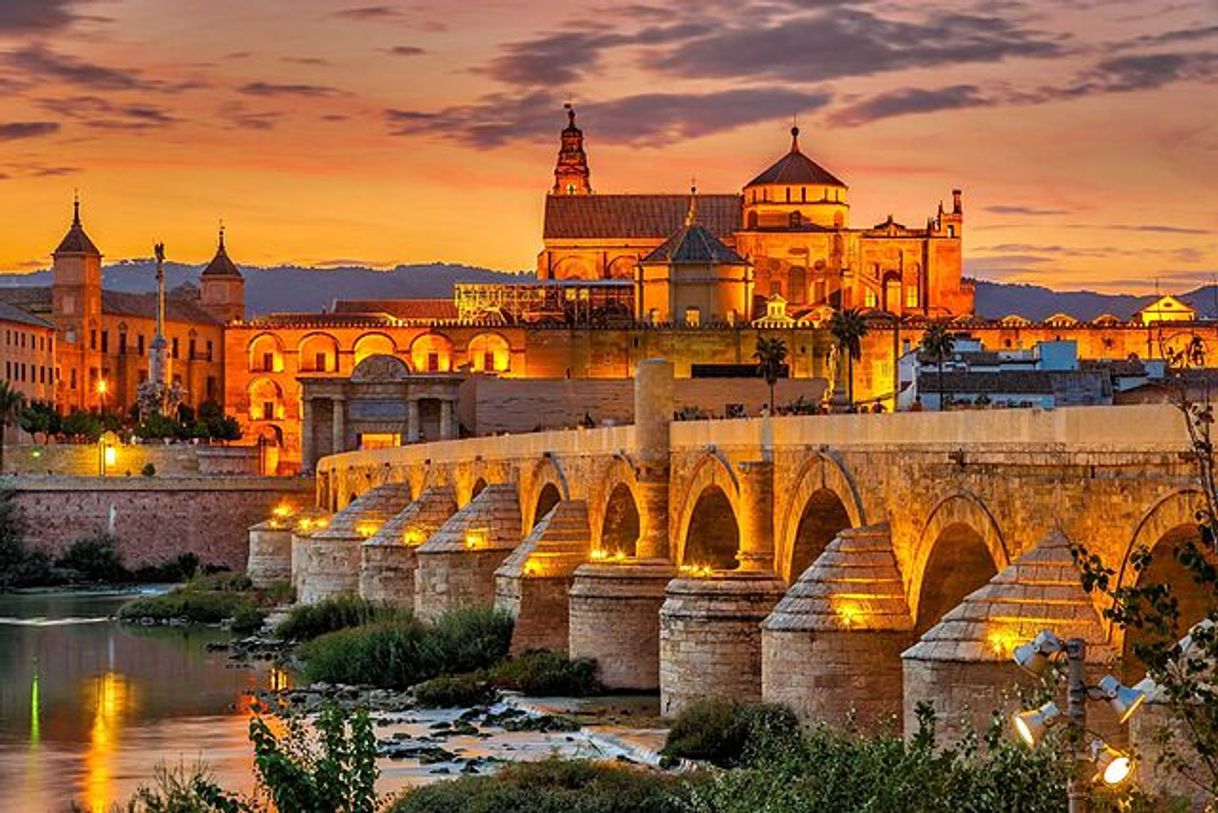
column 565, row 302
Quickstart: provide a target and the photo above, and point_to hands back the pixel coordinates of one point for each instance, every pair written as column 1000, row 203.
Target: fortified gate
column 840, row 564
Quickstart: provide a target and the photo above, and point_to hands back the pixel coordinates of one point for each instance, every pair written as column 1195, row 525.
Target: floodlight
column 1113, row 767
column 1033, row 657
column 1123, row 699
column 1032, row 724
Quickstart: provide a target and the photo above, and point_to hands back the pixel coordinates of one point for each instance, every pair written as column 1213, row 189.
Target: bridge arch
column 708, row 532
column 618, row 523
column 824, row 502
column 1167, row 525
column 960, row 549
column 545, row 488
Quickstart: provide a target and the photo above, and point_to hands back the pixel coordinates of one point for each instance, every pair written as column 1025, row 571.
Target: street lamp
column 1100, row 762
column 103, row 387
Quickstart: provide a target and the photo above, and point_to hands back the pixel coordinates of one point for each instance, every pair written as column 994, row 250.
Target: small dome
column 796, row 169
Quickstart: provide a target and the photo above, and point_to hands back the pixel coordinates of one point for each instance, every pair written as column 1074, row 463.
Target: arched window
column 431, row 353
column 797, row 285
column 318, row 353
column 489, row 353
column 266, row 354
column 373, row 344
column 266, row 400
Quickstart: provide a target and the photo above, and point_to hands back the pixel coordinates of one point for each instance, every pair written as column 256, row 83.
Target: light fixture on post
column 1031, row 725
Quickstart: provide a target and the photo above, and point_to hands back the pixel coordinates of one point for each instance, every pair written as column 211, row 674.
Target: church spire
column 76, row 208
column 221, row 246
column 571, row 173
column 794, row 138
column 691, row 216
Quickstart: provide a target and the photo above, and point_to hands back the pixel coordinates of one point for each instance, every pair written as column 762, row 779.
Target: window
column 268, row 361
column 209, row 349
column 803, row 194
column 92, row 339
column 73, row 378
column 788, row 191
column 8, row 370
column 433, row 362
column 211, row 388
column 268, row 410
column 105, row 341
column 911, row 296
column 951, row 231
column 488, row 360
column 869, row 299
column 693, row 316
column 319, row 361
column 139, row 344
column 122, row 344
column 175, row 347
column 193, row 349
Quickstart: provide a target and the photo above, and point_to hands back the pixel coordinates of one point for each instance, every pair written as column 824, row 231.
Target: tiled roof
column 490, row 521
column 558, row 544
column 419, row 520
column 693, row 245
column 656, row 217
column 30, row 298
column 399, row 308
column 221, row 265
column 795, row 168
column 76, row 241
column 12, row 313
column 177, row 308
column 1040, row 590
column 369, row 511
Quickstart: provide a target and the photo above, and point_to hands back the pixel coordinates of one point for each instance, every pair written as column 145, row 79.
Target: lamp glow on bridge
column 367, row 529
column 412, row 537
column 475, row 539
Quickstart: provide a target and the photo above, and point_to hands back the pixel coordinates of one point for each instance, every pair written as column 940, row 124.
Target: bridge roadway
column 847, row 564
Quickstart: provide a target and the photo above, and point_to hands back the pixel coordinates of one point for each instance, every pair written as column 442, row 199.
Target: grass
column 208, row 599
column 308, row 621
column 403, row 652
column 547, row 674
column 550, row 786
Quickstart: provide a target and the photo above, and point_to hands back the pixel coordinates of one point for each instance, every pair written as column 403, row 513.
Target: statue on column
column 156, row 395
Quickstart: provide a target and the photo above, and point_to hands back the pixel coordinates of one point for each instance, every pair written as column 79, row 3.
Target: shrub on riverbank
column 550, row 786
column 454, row 691
column 308, row 621
column 547, row 674
column 208, row 599
column 727, row 733
column 399, row 654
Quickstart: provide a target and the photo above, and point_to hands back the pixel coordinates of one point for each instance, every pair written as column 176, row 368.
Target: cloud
column 287, row 89
column 647, row 119
column 42, row 63
column 1153, row 228
column 562, row 57
column 34, row 16
column 1171, row 37
column 905, row 101
column 369, row 13
column 103, row 114
column 307, row 60
column 838, row 42
column 27, row 129
column 1003, row 266
column 1034, row 211
column 405, row 50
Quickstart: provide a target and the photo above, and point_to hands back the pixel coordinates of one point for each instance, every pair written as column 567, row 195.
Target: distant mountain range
column 293, row 288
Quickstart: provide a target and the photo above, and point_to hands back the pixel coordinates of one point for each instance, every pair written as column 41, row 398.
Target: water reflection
column 88, row 707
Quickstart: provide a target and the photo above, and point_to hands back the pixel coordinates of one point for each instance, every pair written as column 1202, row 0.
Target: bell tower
column 571, row 173
column 76, row 308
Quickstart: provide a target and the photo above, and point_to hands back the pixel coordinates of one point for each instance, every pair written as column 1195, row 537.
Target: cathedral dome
column 796, row 169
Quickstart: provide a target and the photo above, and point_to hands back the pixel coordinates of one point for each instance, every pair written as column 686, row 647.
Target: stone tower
column 571, row 174
column 76, row 308
column 223, row 287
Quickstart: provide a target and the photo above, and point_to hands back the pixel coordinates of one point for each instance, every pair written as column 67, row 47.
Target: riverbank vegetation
column 305, row 622
column 209, row 599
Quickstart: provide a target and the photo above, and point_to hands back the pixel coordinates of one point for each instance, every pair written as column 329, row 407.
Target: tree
column 848, row 328
column 938, row 343
column 771, row 355
column 11, row 402
column 1180, row 654
column 40, row 417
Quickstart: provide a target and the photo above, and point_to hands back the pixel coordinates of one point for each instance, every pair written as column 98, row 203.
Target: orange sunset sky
column 1084, row 133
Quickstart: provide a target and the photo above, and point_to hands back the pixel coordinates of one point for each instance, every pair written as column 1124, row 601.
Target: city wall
column 154, row 519
column 169, row 460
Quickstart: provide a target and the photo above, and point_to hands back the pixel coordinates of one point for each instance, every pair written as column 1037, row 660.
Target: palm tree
column 11, row 402
column 938, row 343
column 771, row 355
column 848, row 328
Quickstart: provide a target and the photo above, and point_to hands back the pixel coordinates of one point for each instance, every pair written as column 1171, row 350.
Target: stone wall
column 491, row 406
column 172, row 460
column 155, row 519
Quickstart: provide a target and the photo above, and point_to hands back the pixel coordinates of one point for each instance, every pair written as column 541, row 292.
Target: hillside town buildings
column 695, row 278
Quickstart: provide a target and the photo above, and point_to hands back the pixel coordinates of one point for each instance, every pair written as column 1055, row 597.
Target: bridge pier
column 963, row 664
column 270, row 550
column 332, row 555
column 710, row 637
column 456, row 565
column 831, row 649
column 534, row 582
column 388, row 560
column 615, row 620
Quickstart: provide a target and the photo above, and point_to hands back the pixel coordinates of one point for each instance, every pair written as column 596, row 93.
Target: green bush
column 223, row 581
column 20, row 565
column 307, row 621
column 179, row 569
column 149, row 470
column 404, row 652
column 248, row 618
column 279, row 592
column 196, row 607
column 460, row 691
column 545, row 673
column 728, row 733
column 549, row 786
column 94, row 559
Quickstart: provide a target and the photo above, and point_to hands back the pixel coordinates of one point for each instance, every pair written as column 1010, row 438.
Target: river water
column 89, row 707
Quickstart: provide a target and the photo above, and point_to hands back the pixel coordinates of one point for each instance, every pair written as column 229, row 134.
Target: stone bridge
column 845, row 565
